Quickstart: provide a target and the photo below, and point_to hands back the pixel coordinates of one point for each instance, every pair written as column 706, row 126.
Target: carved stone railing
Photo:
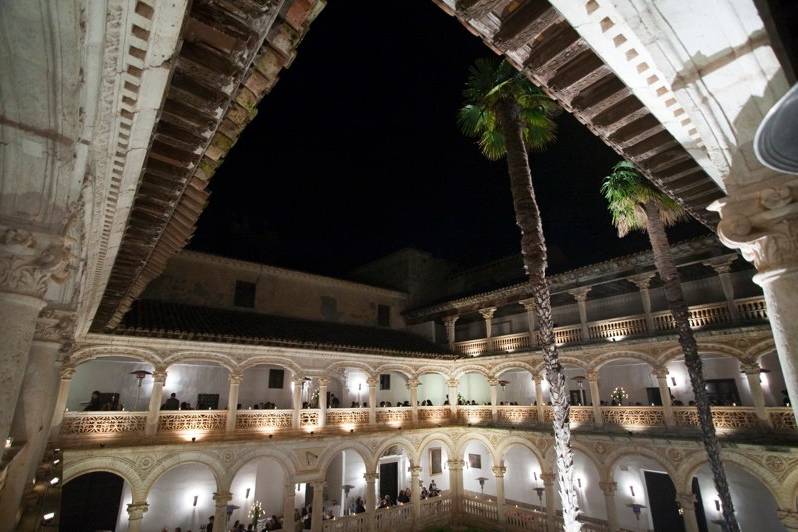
column 725, row 418
column 433, row 414
column 783, row 418
column 519, row 518
column 750, row 309
column 191, row 420
column 309, row 418
column 394, row 416
column 399, row 517
column 436, row 509
column 478, row 507
column 264, row 420
column 474, row 415
column 348, row 416
column 348, row 523
column 633, row 416
column 103, row 422
column 517, row 415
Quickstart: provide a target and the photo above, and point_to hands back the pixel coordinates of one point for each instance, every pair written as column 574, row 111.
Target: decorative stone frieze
column 29, row 261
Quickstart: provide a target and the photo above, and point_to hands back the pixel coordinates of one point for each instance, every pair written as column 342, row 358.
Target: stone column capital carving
column 318, row 484
column 55, row 326
column 236, row 377
column 159, row 375
column 751, row 369
column 499, row 471
column 788, row 518
column 592, row 376
column 548, row 479
column 324, row 381
column 528, row 304
column 298, row 381
column 449, row 321
column 761, row 220
column 641, row 280
column 686, row 500
column 221, row 498
column 29, row 262
column 493, row 381
column 452, row 383
column 136, row 510
column 372, row 381
column 720, row 264
column 415, row 471
column 67, row 372
column 608, row 487
column 455, row 465
column 580, row 293
column 487, row 313
column 413, row 383
column 660, row 373
column 371, row 477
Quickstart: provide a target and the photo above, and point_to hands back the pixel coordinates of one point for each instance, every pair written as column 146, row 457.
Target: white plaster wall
column 520, row 387
column 334, row 492
column 265, row 480
column 630, row 471
column 441, row 479
column 432, row 386
column 355, row 378
column 632, row 376
column 753, row 503
column 474, row 387
column 591, row 498
column 254, row 388
column 519, row 480
column 171, row 499
column 470, row 475
column 124, row 500
column 773, row 382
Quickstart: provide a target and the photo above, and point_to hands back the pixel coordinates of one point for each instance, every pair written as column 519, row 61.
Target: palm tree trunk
column 533, row 250
column 675, row 297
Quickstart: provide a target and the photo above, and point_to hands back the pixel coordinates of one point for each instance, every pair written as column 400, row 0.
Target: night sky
column 356, row 153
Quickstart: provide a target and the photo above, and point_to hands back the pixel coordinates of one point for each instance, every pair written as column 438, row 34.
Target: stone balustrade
column 727, row 419
column 749, row 310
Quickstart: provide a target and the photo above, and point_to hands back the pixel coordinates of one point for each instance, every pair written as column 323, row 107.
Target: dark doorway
column 722, row 392
column 699, row 507
column 578, row 397
column 91, row 502
column 389, row 480
column 654, row 397
column 662, row 498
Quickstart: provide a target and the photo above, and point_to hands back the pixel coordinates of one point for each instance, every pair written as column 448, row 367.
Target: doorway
column 389, row 480
column 654, row 396
column 91, row 502
column 722, row 392
column 662, row 498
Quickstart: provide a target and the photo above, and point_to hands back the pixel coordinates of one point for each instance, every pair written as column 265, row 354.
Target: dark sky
column 356, row 153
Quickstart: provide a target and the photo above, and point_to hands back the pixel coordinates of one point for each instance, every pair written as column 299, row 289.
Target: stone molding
column 30, row 262
column 55, row 326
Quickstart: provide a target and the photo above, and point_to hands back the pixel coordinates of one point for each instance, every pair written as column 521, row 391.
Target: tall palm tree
column 635, row 203
column 510, row 116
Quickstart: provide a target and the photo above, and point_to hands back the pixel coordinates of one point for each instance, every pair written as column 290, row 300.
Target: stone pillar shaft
column 415, row 492
column 687, row 503
column 412, row 385
column 498, row 472
column 221, row 499
column 296, row 396
column 452, row 384
column 371, row 498
column 494, row 399
column 595, row 398
column 372, row 382
column 449, row 323
column 609, row 489
column 580, row 295
column 551, row 511
column 322, row 402
column 722, row 266
column 531, row 320
column 541, row 407
column 455, row 483
column 61, row 400
column 487, row 315
column 135, row 514
column 753, row 373
column 232, row 402
column 154, row 410
column 642, row 282
column 318, row 505
column 665, row 397
column 289, row 502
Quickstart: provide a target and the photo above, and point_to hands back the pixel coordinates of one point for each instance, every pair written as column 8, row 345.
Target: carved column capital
column 751, row 369
column 548, row 479
column 686, row 500
column 720, row 264
column 324, row 381
column 415, row 471
column 236, row 377
column 499, row 471
column 592, row 376
column 528, row 304
column 788, row 518
column 449, row 321
column 67, row 372
column 580, row 294
column 641, row 280
column 159, row 375
column 455, row 465
column 55, row 326
column 372, row 381
column 371, row 477
column 487, row 313
column 413, row 383
column 29, row 262
column 761, row 220
column 317, row 484
column 608, row 487
column 221, row 498
column 452, row 383
column 493, row 382
column 136, row 511
column 660, row 373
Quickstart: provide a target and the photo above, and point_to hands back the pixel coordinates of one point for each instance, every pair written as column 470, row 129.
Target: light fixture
column 195, row 500
column 673, row 381
column 717, row 505
column 54, row 481
column 632, row 489
column 48, row 516
column 247, row 495
column 56, row 461
column 579, row 482
column 9, row 442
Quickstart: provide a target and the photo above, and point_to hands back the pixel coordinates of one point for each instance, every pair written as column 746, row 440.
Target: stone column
column 232, row 401
column 372, row 382
column 297, row 400
column 456, row 483
column 158, row 380
column 761, row 220
column 722, row 266
column 687, row 503
column 551, row 511
column 487, row 315
column 580, row 295
column 665, row 395
column 323, row 402
column 31, row 424
column 412, row 385
column 66, row 374
column 452, row 383
column 449, row 323
column 609, row 488
column 595, row 398
column 789, row 519
column 135, row 514
column 415, row 492
column 318, row 505
column 371, row 499
column 541, row 407
column 642, row 281
column 494, row 399
column 289, row 502
column 498, row 472
column 752, row 373
column 28, row 264
column 220, row 500
column 531, row 321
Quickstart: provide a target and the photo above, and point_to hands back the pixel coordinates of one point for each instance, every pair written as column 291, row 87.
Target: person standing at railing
column 172, row 403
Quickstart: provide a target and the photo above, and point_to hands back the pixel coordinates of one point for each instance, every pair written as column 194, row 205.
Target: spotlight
column 311, row 433
column 57, row 460
column 270, row 436
column 54, row 481
column 351, row 430
column 195, row 500
column 46, row 518
column 193, row 439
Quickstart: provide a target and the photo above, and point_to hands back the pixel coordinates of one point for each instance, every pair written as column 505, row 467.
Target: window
column 245, row 294
column 385, row 381
column 383, row 315
column 578, row 397
column 276, row 378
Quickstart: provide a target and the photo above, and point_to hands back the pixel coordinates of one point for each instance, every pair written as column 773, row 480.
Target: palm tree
column 635, row 203
column 509, row 116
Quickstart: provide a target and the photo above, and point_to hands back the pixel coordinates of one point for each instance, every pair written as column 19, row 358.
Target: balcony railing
column 749, row 310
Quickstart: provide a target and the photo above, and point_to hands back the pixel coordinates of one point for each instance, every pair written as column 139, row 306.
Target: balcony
column 750, row 310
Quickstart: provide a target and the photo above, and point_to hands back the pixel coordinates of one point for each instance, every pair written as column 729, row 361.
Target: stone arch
column 437, row 436
column 509, row 366
column 508, row 442
column 605, row 358
column 635, row 450
column 760, row 349
column 691, row 465
column 201, row 356
column 434, row 370
column 327, row 457
column 470, row 368
column 469, row 436
column 402, row 369
column 285, row 460
column 572, row 361
column 92, row 353
column 345, row 364
column 108, row 464
column 582, row 448
column 182, row 458
column 399, row 441
column 703, row 348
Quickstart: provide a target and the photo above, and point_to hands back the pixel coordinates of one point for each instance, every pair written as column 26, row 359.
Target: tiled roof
column 187, row 322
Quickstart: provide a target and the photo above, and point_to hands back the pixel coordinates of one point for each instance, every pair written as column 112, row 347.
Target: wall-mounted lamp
column 632, row 489
column 48, row 517
column 579, row 482
column 54, row 481
column 9, row 442
column 56, row 461
column 247, row 495
column 195, row 500
column 673, row 381
column 717, row 505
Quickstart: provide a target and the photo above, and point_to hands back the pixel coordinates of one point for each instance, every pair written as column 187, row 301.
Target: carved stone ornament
column 28, row 261
column 762, row 224
column 55, row 325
